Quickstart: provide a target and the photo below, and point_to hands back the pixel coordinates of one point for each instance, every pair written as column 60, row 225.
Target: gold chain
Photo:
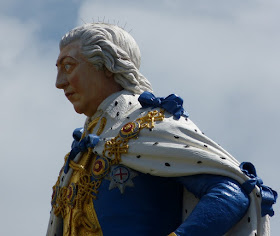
column 86, row 189
column 115, row 147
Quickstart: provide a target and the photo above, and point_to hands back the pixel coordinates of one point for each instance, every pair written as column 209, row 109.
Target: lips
column 69, row 94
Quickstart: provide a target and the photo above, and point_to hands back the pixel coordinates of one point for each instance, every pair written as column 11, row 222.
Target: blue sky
column 222, row 57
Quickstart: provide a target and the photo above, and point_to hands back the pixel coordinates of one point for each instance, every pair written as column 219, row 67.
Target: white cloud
column 16, row 36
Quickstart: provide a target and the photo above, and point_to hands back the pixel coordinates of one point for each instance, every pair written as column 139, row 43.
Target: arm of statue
column 222, row 204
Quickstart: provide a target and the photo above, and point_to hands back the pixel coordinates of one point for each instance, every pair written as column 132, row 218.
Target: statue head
column 110, row 47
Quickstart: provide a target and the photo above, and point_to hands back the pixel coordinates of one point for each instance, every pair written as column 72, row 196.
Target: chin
column 78, row 109
column 82, row 110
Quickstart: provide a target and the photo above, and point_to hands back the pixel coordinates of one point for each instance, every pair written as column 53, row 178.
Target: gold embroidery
column 148, row 121
column 82, row 220
column 74, row 202
column 92, row 125
column 60, row 202
column 102, row 126
column 119, row 145
column 115, row 147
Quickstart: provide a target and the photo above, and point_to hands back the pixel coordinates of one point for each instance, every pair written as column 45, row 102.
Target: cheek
column 75, row 82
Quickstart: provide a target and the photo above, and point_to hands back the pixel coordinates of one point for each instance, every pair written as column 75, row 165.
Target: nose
column 61, row 80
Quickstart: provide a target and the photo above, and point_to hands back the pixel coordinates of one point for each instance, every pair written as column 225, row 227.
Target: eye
column 67, row 67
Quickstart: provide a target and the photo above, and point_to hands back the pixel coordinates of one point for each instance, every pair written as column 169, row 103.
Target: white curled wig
column 110, row 46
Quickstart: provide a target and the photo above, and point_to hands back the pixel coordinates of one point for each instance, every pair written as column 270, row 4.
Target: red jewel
column 128, row 127
column 70, row 192
column 98, row 166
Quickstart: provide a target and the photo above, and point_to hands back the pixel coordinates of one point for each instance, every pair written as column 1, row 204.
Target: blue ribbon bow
column 90, row 141
column 172, row 103
column 269, row 196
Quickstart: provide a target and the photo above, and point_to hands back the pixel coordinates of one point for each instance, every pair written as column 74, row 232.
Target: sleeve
column 222, row 204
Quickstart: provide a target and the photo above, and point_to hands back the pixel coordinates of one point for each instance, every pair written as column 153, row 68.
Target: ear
column 108, row 73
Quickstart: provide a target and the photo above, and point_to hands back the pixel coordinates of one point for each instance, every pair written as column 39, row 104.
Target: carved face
column 83, row 85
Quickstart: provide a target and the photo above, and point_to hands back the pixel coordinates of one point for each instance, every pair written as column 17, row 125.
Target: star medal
column 121, row 177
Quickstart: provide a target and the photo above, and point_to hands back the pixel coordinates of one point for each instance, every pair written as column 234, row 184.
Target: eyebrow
column 62, row 59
